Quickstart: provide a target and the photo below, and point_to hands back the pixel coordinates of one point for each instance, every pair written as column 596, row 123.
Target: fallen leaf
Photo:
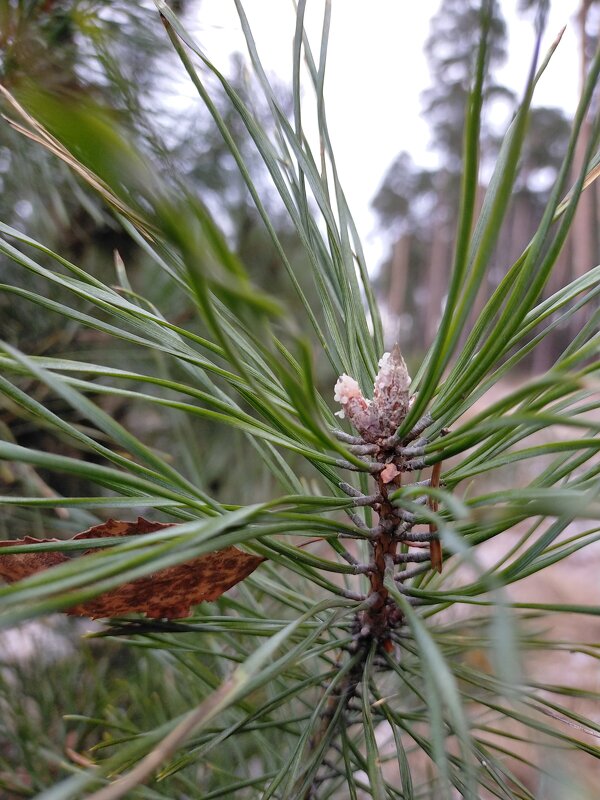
column 168, row 593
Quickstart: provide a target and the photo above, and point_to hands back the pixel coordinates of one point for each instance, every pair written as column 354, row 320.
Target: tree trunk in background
column 522, row 226
column 436, row 282
column 584, row 227
column 484, row 290
column 583, row 234
column 396, row 300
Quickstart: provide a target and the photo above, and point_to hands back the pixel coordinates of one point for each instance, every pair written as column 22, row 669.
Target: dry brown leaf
column 168, row 593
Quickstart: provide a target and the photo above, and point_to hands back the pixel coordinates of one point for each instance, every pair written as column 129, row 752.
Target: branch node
column 367, row 500
column 363, row 449
column 414, row 465
column 351, row 491
column 347, row 438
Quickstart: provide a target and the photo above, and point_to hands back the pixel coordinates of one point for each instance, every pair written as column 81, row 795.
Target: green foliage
column 331, row 671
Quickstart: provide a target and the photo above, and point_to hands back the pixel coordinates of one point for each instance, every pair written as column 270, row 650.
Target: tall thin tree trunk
column 583, row 232
column 396, row 301
column 436, row 282
column 584, row 227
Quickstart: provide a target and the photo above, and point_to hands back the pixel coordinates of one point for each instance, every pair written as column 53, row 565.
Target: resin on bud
column 378, row 418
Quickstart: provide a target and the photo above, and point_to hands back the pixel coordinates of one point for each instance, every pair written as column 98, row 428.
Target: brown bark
column 399, row 275
column 583, row 235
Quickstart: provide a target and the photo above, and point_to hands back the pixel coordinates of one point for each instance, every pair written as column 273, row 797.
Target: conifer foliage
column 368, row 645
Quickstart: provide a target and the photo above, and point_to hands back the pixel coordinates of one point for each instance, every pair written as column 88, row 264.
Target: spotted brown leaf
column 168, row 593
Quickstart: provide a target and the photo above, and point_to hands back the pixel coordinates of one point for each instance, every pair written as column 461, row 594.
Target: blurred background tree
column 109, row 53
column 115, row 55
column 417, row 205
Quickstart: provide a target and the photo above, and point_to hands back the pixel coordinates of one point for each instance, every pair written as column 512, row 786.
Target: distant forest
column 419, row 205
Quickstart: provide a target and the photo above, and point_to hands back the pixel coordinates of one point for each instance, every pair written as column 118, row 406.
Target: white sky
column 376, row 71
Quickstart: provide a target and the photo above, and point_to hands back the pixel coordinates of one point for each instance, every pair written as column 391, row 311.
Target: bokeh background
column 396, row 90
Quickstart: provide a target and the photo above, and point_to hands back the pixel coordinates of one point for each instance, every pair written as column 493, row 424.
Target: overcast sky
column 375, row 74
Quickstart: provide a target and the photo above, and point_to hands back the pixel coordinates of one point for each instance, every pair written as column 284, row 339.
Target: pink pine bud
column 377, row 418
column 347, row 391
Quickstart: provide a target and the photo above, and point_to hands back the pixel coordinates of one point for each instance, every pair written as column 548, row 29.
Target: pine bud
column 380, row 417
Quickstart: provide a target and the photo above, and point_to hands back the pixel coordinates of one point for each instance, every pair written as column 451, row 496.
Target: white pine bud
column 380, row 417
column 390, row 393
